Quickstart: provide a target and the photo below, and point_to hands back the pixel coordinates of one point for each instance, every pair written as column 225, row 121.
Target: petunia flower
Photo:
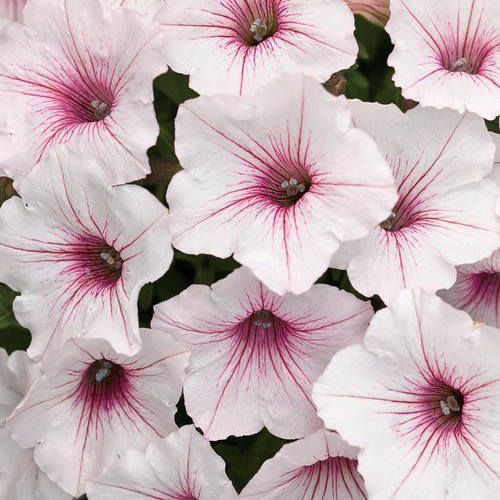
column 234, row 46
column 376, row 11
column 79, row 253
column 321, row 466
column 477, row 290
column 12, row 9
column 445, row 215
column 447, row 53
column 76, row 76
column 421, row 397
column 20, row 478
column 182, row 466
column 283, row 179
column 92, row 404
column 255, row 354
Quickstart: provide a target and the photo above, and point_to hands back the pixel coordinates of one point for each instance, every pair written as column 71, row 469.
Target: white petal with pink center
column 255, row 354
column 20, row 478
column 422, row 401
column 233, row 46
column 376, row 11
column 283, row 179
column 447, row 53
column 79, row 253
column 92, row 404
column 182, row 466
column 12, row 9
column 477, row 290
column 445, row 214
column 321, row 466
column 75, row 76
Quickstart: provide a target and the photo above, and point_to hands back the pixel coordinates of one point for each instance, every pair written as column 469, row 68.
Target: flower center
column 253, row 21
column 103, row 389
column 259, row 30
column 457, row 52
column 104, row 371
column 263, row 318
column 292, row 187
column 104, row 376
column 406, row 213
column 460, row 65
column 106, row 263
column 451, row 403
column 112, row 258
column 389, row 222
column 290, row 191
column 100, row 109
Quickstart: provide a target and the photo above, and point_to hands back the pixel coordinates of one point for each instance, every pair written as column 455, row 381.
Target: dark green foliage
column 245, row 455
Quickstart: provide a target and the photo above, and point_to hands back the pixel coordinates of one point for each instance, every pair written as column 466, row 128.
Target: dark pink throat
column 408, row 212
column 438, row 412
column 105, row 377
column 263, row 330
column 254, row 21
column 487, row 284
column 107, row 263
column 285, row 187
column 447, row 405
column 472, row 55
column 262, row 319
column 96, row 261
column 104, row 390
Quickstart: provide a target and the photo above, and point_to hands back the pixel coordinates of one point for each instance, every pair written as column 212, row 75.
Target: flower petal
column 255, row 355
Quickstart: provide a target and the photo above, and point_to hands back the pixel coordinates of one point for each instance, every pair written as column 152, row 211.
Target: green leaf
column 7, row 296
column 175, row 86
column 15, row 338
column 146, row 297
column 245, row 455
column 493, row 125
column 166, row 110
column 357, row 86
column 388, row 93
column 371, row 39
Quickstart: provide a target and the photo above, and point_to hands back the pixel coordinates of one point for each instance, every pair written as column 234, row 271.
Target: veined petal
column 255, row 355
column 233, row 47
column 92, row 404
column 447, row 53
column 477, row 290
column 445, row 214
column 182, row 466
column 423, row 404
column 75, row 76
column 79, row 253
column 317, row 467
column 12, row 9
column 280, row 184
column 20, row 477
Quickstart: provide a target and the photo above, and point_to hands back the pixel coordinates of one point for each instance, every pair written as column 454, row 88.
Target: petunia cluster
column 383, row 384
